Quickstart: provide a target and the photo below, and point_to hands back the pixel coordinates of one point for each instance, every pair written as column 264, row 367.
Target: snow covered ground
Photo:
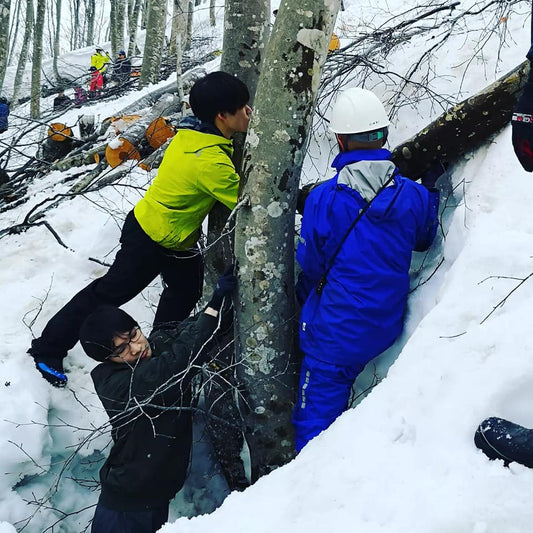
column 403, row 460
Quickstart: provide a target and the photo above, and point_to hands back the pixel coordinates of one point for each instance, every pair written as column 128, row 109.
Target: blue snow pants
column 323, row 395
column 110, row 521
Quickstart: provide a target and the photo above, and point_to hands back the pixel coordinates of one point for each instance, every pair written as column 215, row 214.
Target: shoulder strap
column 323, row 280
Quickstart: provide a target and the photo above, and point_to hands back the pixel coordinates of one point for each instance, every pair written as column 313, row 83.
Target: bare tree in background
column 155, row 35
column 5, row 12
column 212, row 19
column 37, row 58
column 118, row 12
column 57, row 36
column 133, row 22
column 188, row 35
column 23, row 56
column 90, row 10
column 179, row 26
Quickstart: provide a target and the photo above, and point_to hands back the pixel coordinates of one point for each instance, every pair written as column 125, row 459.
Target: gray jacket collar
column 366, row 177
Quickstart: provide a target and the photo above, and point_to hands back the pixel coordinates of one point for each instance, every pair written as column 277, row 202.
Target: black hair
column 218, row 92
column 100, row 327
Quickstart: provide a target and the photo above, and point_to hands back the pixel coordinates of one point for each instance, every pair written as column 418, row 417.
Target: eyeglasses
column 133, row 336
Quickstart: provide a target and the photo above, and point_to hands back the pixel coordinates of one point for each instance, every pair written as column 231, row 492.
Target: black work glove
column 226, row 284
column 431, row 175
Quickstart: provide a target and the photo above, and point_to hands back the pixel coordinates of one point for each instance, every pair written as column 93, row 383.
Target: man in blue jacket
column 358, row 234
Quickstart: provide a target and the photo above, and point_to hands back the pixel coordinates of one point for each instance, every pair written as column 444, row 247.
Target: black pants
column 110, row 521
column 137, row 263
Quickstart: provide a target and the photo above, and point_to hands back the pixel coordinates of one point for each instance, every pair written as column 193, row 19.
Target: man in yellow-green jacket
column 160, row 235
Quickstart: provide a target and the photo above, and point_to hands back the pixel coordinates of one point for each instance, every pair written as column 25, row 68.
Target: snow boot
column 501, row 439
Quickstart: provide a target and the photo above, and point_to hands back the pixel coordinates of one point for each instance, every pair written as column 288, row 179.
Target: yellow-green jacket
column 196, row 171
column 99, row 61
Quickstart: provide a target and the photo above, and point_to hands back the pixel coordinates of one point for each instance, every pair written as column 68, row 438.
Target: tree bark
column 179, row 26
column 264, row 237
column 23, row 56
column 5, row 11
column 35, row 102
column 212, row 19
column 246, row 32
column 188, row 33
column 155, row 33
column 90, row 10
column 133, row 23
column 118, row 10
column 56, row 39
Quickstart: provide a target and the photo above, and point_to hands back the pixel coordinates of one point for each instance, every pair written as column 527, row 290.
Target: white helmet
column 357, row 110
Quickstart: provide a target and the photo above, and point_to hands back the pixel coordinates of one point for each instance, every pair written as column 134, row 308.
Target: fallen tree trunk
column 128, row 144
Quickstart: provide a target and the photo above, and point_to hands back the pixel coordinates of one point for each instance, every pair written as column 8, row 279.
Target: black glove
column 432, row 174
column 226, row 284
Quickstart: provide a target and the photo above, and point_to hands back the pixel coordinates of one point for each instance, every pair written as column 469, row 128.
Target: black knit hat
column 99, row 328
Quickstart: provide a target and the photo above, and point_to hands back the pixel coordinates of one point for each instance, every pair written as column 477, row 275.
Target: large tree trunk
column 264, row 237
column 155, row 34
column 5, row 11
column 35, row 107
column 23, row 56
column 246, row 32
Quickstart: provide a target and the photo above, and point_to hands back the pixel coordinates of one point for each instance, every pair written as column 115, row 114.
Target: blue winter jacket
column 360, row 311
column 4, row 113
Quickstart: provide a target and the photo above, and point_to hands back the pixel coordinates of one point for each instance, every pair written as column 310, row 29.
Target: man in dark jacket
column 122, row 68
column 358, row 233
column 144, row 386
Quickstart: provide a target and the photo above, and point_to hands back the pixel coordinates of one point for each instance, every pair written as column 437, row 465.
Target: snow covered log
column 128, row 144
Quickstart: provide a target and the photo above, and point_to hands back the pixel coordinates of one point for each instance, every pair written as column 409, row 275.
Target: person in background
column 144, row 386
column 61, row 101
column 122, row 68
column 100, row 60
column 96, row 83
column 359, row 230
column 4, row 113
column 160, row 235
column 80, row 95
